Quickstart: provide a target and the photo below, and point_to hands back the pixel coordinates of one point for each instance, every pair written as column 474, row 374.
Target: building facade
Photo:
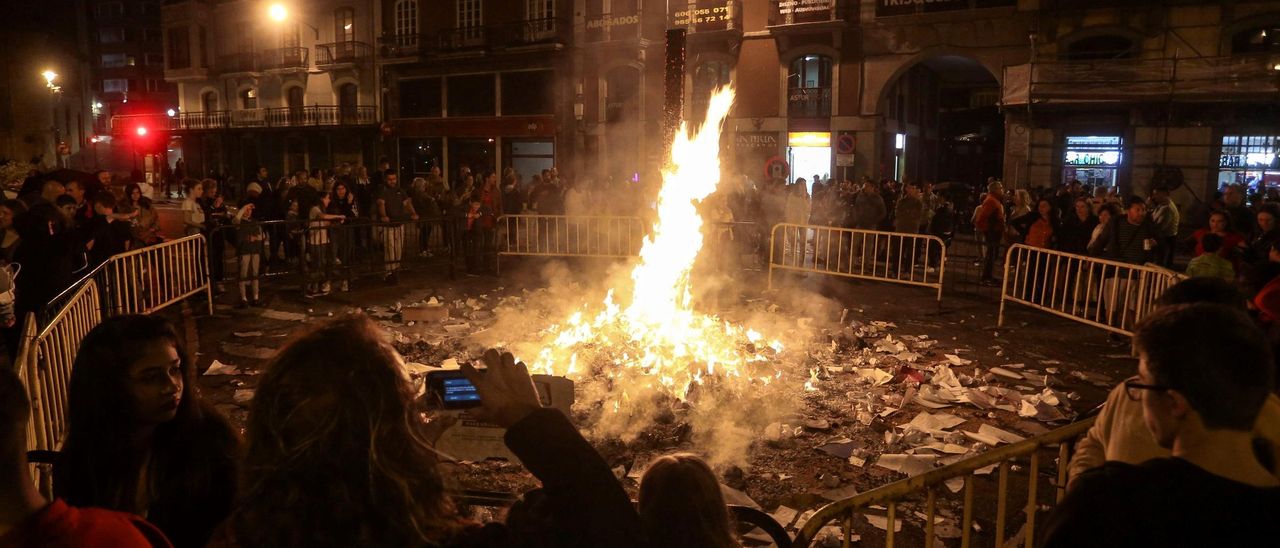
column 286, row 85
column 46, row 86
column 485, row 84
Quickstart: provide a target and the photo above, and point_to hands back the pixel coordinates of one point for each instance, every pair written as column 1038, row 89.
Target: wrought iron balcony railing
column 276, row 117
column 336, row 53
column 294, row 58
column 478, row 38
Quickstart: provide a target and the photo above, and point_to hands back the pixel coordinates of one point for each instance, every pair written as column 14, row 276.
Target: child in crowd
column 249, row 246
column 319, row 248
column 1211, row 264
column 681, row 504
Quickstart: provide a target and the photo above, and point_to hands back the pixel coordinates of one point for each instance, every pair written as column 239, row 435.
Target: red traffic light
column 142, row 131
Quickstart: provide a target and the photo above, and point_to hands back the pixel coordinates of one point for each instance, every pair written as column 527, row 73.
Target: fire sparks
column 629, row 357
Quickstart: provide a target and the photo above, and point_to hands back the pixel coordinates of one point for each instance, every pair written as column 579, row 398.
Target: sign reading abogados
column 608, row 21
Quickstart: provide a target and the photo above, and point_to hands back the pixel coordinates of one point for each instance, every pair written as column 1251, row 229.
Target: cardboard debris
column 1002, row 435
column 882, row 522
column 242, row 395
column 425, row 314
column 219, row 368
column 983, row 438
column 957, row 360
column 840, row 493
column 910, row 465
column 736, row 497
column 456, row 328
column 1006, row 373
column 784, row 515
column 934, row 423
column 954, row 484
column 840, row 448
column 247, row 334
column 876, row 377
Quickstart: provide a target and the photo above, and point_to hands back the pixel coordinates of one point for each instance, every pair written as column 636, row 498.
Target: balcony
column 342, row 53
column 186, row 74
column 280, row 117
column 800, row 12
column 237, row 63
column 809, row 102
column 285, row 59
column 1120, row 80
column 480, row 39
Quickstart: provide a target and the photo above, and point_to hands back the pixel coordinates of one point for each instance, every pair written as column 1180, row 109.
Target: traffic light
column 141, row 131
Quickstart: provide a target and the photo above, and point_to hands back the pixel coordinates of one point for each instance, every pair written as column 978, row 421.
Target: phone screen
column 458, row 391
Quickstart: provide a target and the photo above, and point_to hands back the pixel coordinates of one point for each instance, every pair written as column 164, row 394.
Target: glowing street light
column 49, row 77
column 278, row 12
column 171, row 113
column 142, row 131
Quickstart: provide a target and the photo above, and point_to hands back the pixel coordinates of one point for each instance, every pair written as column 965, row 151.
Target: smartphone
column 452, row 390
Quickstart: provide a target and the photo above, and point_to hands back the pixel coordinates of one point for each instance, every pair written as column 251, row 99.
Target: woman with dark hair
column 143, row 221
column 343, row 202
column 681, row 505
column 339, row 454
column 139, row 437
column 1039, row 228
column 1077, row 228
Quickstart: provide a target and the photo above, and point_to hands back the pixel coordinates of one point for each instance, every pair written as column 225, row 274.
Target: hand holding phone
column 506, row 390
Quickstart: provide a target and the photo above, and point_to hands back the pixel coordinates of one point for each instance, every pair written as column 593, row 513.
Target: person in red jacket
column 27, row 519
column 990, row 224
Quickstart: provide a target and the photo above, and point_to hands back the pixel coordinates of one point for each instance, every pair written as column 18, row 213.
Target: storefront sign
column 885, row 8
column 1109, row 158
column 759, row 141
column 801, row 7
column 702, row 15
column 609, row 21
column 820, row 139
column 1252, row 159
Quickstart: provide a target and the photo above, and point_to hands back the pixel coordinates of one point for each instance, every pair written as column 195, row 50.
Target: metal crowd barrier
column 144, row 280
column 1107, row 294
column 569, row 236
column 897, row 495
column 895, row 257
column 340, row 251
column 44, row 359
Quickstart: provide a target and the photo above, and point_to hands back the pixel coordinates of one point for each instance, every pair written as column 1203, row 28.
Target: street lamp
column 55, row 93
column 280, row 13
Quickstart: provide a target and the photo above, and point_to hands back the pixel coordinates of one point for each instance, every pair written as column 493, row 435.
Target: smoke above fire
column 643, row 355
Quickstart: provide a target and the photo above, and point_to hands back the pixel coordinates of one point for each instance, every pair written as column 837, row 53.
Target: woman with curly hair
column 338, row 454
column 139, row 437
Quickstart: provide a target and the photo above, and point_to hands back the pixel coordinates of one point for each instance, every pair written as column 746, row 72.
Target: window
column 809, row 87
column 209, row 101
column 113, row 60
column 1092, row 159
column 110, row 35
column 248, row 98
column 406, row 22
column 344, row 25
column 154, row 59
column 179, row 48
column 154, row 85
column 289, row 36
column 151, row 35
column 540, row 10
column 530, row 92
column 471, row 95
column 115, row 85
column 244, row 38
column 1251, row 160
column 470, row 18
column 109, row 9
column 420, row 98
column 1257, row 40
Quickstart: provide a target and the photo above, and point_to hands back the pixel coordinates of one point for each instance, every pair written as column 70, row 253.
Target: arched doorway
column 941, row 123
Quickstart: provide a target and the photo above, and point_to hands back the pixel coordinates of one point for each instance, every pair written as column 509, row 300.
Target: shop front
column 1250, row 160
column 1092, row 159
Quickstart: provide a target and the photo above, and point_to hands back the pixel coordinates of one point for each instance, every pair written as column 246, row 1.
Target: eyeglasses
column 1133, row 388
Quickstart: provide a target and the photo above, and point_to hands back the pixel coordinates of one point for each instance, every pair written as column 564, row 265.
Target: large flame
column 657, row 347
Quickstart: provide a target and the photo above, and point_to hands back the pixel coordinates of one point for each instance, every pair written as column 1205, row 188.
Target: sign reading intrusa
column 756, row 141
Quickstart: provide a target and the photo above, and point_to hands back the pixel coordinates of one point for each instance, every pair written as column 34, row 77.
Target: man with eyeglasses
column 1119, row 434
column 1204, row 372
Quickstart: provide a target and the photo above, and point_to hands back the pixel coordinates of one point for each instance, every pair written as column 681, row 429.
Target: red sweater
column 991, row 216
column 58, row 525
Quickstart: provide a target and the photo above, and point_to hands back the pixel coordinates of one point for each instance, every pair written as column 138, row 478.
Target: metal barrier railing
column 895, row 257
column 340, row 250
column 145, row 280
column 569, row 236
column 1107, row 294
column 927, row 486
column 44, row 361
